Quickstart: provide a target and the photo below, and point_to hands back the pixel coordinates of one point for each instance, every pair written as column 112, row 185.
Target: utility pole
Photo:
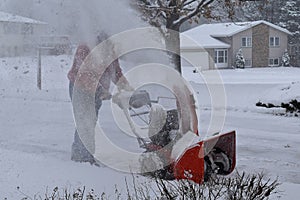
column 39, row 67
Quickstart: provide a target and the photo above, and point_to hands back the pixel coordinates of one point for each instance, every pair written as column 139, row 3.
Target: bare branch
column 197, row 10
column 189, row 2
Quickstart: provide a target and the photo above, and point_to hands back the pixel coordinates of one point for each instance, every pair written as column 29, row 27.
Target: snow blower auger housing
column 197, row 162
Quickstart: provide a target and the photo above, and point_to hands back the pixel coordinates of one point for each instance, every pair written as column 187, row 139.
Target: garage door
column 198, row 59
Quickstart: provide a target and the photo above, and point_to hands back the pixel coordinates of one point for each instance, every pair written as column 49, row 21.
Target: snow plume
column 80, row 19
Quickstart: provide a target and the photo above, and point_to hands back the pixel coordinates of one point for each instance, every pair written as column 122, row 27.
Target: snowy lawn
column 37, row 128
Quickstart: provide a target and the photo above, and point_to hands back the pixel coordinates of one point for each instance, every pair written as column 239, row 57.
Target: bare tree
column 169, row 15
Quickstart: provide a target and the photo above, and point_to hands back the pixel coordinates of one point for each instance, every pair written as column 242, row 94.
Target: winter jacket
column 89, row 78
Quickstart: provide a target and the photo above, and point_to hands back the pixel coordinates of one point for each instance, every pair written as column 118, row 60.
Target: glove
column 126, row 87
column 105, row 95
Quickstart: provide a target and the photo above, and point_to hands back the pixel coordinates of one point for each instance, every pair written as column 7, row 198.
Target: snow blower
column 198, row 161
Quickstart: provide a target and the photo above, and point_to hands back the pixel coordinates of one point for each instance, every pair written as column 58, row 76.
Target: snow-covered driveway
column 36, row 129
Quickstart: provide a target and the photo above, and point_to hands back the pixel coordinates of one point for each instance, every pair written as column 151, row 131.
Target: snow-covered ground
column 37, row 128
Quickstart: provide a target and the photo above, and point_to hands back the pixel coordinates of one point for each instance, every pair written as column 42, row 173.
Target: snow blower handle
column 122, row 99
column 141, row 141
column 129, row 99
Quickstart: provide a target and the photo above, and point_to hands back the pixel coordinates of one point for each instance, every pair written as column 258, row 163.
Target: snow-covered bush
column 239, row 59
column 291, row 108
column 286, row 98
column 285, row 60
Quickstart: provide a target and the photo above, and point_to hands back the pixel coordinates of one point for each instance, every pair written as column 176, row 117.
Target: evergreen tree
column 268, row 10
column 290, row 18
column 285, row 60
column 283, row 13
column 240, row 60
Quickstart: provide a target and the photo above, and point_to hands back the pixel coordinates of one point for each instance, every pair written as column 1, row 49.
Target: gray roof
column 8, row 17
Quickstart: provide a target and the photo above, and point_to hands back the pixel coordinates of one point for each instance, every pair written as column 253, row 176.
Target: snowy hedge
column 283, row 97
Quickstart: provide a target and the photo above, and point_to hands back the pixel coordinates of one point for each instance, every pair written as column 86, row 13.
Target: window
column 11, row 28
column 221, row 56
column 274, row 41
column 246, row 42
column 273, row 61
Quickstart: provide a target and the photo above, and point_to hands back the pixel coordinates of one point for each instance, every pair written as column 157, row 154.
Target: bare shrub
column 236, row 187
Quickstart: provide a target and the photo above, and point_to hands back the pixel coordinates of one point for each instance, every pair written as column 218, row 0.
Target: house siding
column 237, row 44
column 260, row 45
column 277, row 52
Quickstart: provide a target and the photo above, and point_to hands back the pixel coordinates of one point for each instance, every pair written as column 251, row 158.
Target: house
column 55, row 44
column 212, row 46
column 19, row 35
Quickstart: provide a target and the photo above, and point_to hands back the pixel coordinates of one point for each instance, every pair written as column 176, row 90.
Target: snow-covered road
column 267, row 143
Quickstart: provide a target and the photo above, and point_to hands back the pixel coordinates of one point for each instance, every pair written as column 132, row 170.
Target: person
column 83, row 151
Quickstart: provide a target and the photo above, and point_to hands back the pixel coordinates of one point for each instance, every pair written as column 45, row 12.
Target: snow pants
column 86, row 114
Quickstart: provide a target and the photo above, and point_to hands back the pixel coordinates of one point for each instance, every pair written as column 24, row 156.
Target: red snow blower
column 180, row 157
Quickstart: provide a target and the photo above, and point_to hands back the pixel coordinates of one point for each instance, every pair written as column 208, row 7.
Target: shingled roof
column 8, row 17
